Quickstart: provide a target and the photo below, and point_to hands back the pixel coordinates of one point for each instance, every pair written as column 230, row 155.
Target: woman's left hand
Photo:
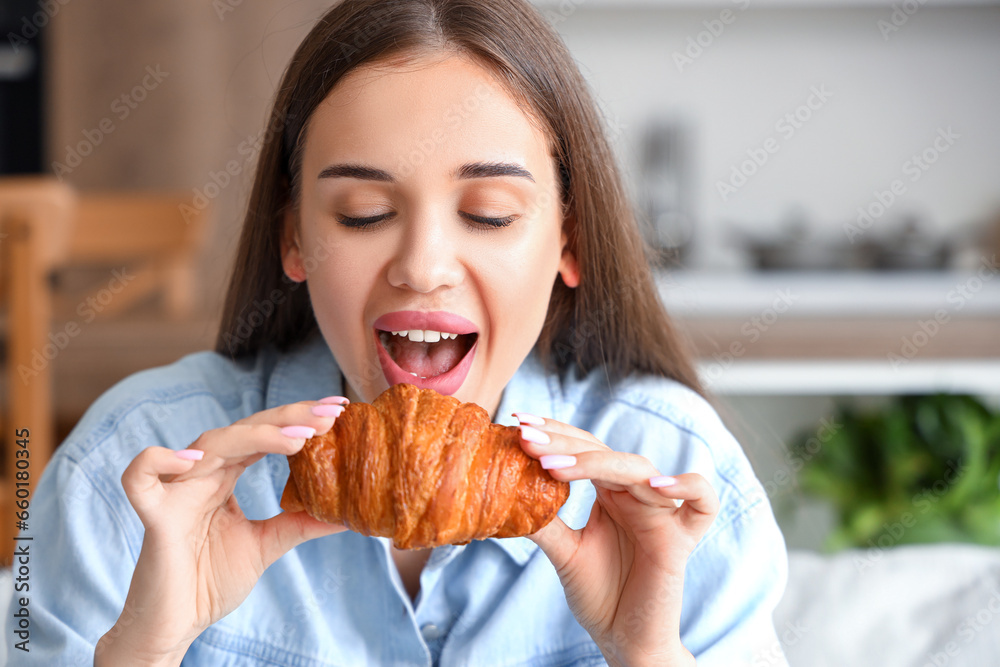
column 623, row 572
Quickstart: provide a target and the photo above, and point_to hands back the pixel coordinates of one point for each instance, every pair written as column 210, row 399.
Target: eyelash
column 374, row 222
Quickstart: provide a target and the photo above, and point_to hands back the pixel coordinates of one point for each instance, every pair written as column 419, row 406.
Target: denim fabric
column 339, row 600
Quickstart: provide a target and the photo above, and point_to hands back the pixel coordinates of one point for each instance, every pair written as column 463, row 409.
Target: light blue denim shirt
column 339, row 600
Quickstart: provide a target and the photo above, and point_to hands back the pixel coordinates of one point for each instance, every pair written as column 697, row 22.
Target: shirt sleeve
column 734, row 579
column 736, row 575
column 80, row 564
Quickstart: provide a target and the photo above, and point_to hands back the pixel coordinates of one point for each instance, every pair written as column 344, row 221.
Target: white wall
column 889, row 98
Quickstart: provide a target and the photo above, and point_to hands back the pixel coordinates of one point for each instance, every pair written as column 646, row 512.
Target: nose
column 426, row 257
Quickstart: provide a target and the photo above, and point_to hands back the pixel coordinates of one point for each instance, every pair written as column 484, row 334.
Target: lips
column 446, row 383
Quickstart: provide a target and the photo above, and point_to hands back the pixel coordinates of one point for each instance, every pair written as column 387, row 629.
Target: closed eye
column 492, row 222
column 371, row 221
column 367, row 222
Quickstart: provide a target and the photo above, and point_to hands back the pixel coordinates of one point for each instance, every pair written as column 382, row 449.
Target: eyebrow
column 470, row 170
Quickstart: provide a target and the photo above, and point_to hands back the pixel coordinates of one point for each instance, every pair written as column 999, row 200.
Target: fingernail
column 298, row 431
column 327, row 410
column 532, row 434
column 190, row 454
column 662, row 480
column 335, row 399
column 528, row 418
column 556, row 461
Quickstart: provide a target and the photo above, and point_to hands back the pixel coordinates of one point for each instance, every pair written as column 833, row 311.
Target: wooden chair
column 155, row 236
column 35, row 221
column 51, row 238
column 129, row 280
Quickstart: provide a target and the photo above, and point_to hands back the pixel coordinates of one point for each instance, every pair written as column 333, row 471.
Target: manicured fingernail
column 335, row 399
column 528, row 418
column 298, row 431
column 662, row 480
column 556, row 461
column 190, row 454
column 327, row 410
column 532, row 434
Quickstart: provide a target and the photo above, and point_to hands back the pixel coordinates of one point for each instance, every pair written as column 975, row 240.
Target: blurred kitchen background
column 820, row 182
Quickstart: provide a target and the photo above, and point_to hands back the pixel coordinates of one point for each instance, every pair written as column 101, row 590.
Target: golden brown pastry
column 424, row 469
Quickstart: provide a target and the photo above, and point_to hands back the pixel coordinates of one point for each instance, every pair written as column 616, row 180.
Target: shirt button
column 430, row 632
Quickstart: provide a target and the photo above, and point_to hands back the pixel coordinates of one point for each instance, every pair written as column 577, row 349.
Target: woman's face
column 429, row 202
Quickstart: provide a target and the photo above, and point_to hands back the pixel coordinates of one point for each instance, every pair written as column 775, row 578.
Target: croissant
column 424, row 469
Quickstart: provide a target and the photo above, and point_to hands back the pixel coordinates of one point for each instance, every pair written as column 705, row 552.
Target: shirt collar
column 309, row 372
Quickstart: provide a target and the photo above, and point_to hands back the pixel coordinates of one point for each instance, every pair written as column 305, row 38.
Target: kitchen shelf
column 829, row 333
column 851, row 377
column 831, row 294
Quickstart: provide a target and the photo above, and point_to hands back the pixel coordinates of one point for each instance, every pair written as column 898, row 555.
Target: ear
column 291, row 254
column 568, row 267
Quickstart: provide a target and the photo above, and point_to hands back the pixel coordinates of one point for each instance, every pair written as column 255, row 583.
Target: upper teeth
column 424, row 335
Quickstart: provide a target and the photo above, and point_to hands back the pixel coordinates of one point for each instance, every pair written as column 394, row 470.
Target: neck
column 349, row 392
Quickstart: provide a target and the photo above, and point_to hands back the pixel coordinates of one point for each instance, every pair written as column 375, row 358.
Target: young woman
column 435, row 203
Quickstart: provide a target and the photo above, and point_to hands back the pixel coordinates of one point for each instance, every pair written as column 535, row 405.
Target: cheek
column 336, row 263
column 339, row 284
column 532, row 264
column 520, row 280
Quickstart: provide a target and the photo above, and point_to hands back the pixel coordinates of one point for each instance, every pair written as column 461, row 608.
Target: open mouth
column 426, row 354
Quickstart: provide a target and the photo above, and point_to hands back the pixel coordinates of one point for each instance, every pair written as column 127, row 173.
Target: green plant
column 923, row 469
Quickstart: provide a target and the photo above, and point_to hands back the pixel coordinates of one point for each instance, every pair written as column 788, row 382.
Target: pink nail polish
column 662, row 480
column 532, row 434
column 298, row 431
column 190, row 454
column 335, row 399
column 327, row 410
column 557, row 461
column 528, row 418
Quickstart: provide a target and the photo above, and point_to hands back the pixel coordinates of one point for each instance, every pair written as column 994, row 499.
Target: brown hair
column 613, row 319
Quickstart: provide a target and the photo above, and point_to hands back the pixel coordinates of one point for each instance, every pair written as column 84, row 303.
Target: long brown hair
column 614, row 318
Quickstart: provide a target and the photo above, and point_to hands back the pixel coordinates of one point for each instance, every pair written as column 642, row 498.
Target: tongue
column 426, row 359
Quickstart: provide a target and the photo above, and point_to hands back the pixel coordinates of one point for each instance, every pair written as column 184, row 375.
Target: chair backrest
column 157, row 236
column 113, row 227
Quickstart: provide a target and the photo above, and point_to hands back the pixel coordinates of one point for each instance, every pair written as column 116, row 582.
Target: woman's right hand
column 200, row 555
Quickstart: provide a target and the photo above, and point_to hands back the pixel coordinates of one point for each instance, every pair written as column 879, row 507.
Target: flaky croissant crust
column 424, row 469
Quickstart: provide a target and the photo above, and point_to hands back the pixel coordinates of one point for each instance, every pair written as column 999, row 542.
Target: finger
column 243, row 444
column 141, row 479
column 558, row 541
column 287, row 530
column 318, row 415
column 701, row 503
column 537, row 443
column 615, row 471
column 551, row 426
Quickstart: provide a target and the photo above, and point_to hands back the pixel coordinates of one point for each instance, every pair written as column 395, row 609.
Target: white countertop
column 861, row 377
column 695, row 295
column 974, row 293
